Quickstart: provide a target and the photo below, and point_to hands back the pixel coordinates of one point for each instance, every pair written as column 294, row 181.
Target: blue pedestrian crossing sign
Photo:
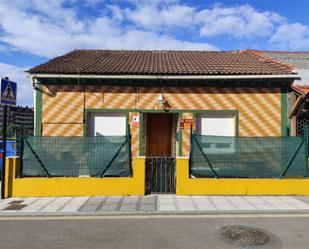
column 8, row 92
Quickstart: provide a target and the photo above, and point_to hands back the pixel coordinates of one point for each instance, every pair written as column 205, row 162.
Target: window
column 217, row 124
column 107, row 124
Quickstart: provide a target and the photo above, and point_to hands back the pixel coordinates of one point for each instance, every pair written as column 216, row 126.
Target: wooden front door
column 159, row 134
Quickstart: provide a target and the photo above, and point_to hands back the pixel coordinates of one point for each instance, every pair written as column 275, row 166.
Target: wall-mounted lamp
column 35, row 84
column 163, row 102
column 161, row 99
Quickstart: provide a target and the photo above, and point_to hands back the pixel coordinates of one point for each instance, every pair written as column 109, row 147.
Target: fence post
column 191, row 145
column 306, row 137
column 21, row 150
column 129, row 148
column 191, row 133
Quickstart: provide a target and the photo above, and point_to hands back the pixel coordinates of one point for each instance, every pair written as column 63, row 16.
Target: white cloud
column 150, row 40
column 24, row 89
column 117, row 13
column 47, row 28
column 240, row 22
column 293, row 36
column 156, row 17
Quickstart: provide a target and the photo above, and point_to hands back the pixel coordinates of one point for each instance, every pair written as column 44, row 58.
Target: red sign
column 186, row 124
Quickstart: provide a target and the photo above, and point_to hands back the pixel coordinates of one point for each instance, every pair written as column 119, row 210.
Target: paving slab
column 155, row 204
column 75, row 204
column 39, row 204
column 222, row 203
column 148, row 201
column 165, row 207
column 205, row 207
column 93, row 204
column 108, row 208
column 148, row 207
column 56, row 205
column 240, row 202
column 187, row 207
column 113, row 199
column 128, row 207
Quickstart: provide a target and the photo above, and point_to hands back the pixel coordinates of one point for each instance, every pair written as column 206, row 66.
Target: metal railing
column 160, row 175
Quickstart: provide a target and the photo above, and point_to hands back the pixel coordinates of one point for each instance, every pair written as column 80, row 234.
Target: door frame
column 165, row 136
column 141, row 129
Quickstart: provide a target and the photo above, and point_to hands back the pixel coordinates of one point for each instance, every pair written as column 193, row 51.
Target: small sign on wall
column 135, row 120
column 185, row 124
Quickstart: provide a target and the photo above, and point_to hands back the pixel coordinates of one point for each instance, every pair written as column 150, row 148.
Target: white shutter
column 216, row 124
column 109, row 124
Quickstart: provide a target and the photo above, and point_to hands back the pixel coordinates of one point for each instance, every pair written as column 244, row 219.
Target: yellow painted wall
column 62, row 113
column 228, row 186
column 75, row 186
column 69, row 186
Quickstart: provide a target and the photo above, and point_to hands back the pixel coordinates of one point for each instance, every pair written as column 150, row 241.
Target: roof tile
column 126, row 62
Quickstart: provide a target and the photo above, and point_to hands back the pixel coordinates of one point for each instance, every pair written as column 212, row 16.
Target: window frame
column 213, row 149
column 90, row 113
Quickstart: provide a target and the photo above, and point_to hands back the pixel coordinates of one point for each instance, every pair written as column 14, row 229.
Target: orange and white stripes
column 186, row 135
column 63, row 106
column 134, row 130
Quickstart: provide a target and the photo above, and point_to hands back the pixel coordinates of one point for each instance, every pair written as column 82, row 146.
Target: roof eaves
column 166, row 76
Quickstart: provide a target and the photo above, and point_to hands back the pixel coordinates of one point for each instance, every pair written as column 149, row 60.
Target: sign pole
column 8, row 93
column 4, row 122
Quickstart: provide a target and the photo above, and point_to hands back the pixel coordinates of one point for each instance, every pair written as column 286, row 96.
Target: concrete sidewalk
column 156, row 204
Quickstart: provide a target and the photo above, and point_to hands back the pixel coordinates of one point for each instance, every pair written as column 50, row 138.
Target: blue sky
column 33, row 31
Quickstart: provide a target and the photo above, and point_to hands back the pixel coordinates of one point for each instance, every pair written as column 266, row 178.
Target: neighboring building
column 19, row 116
column 300, row 60
column 298, row 107
column 299, row 111
column 99, row 92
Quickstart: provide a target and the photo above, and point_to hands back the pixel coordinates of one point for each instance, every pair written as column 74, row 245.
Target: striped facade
column 63, row 107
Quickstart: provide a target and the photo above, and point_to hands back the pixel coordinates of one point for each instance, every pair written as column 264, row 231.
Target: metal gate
column 160, row 175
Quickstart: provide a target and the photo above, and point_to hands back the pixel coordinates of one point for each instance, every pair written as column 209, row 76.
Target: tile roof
column 126, row 62
column 302, row 89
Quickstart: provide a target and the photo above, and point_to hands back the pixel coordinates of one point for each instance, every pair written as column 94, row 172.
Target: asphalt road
column 148, row 232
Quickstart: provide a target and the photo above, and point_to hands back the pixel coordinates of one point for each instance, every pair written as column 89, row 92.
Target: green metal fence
column 75, row 156
column 248, row 157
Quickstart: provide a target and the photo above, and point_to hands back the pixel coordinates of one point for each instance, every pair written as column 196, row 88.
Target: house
column 98, row 92
column 299, row 109
column 214, row 121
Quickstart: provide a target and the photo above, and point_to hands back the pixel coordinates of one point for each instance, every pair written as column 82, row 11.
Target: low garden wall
column 185, row 185
column 74, row 186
